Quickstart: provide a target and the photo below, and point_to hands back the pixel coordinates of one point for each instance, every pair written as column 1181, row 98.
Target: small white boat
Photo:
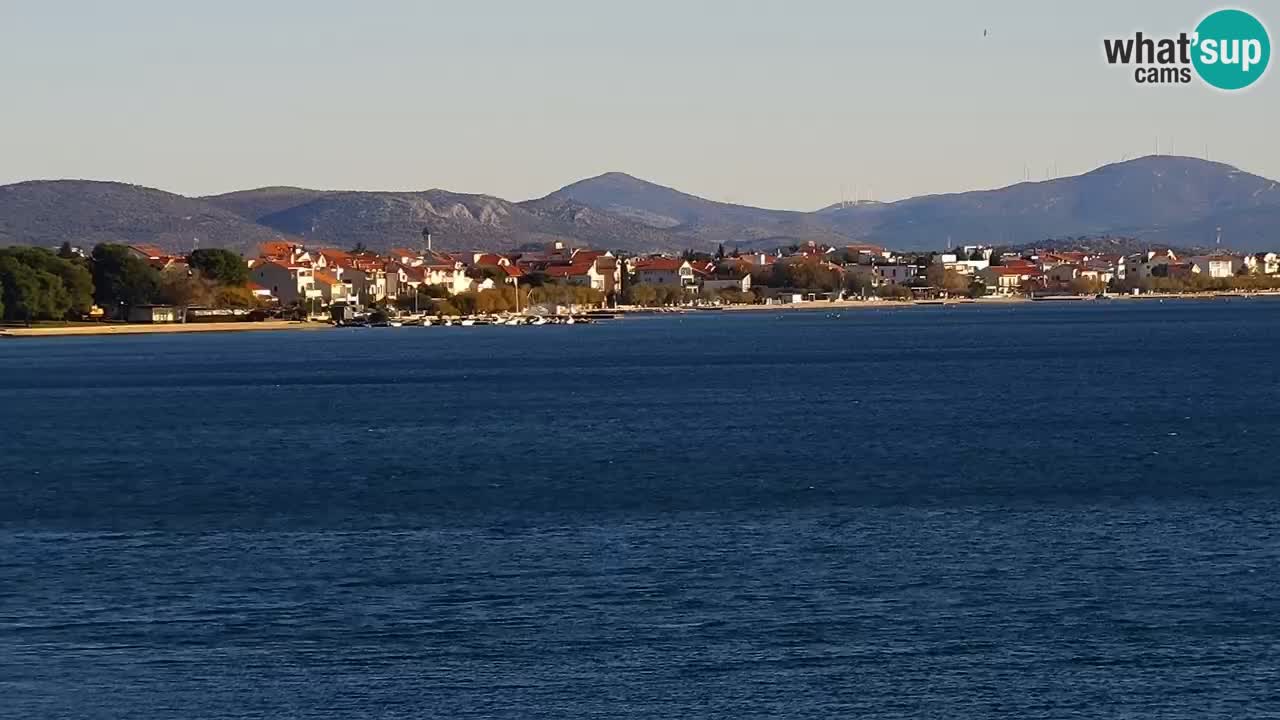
column 512, row 321
column 467, row 323
column 570, row 321
column 539, row 321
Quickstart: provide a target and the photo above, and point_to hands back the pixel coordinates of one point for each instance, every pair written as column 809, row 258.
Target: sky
column 790, row 104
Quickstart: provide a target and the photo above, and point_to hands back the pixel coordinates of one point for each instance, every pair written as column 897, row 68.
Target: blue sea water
column 1035, row 511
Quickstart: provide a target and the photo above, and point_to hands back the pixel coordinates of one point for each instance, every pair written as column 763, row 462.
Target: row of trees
column 36, row 284
column 1198, row 282
column 216, row 278
column 651, row 295
column 436, row 300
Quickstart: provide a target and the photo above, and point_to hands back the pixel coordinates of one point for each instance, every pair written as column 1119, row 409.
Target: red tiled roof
column 278, row 263
column 568, row 270
column 152, row 251
column 864, row 247
column 659, row 264
column 491, row 259
column 276, row 248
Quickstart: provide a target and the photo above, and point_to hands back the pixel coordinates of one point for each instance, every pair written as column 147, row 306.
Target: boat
column 538, row 321
column 467, row 323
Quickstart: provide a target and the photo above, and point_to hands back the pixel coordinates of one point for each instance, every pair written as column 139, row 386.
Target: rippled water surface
column 1032, row 511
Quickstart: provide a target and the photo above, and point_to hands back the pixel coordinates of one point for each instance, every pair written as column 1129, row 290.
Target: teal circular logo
column 1232, row 49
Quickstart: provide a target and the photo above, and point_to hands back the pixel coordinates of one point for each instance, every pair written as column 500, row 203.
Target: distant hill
column 261, row 202
column 381, row 220
column 86, row 213
column 1174, row 201
column 699, row 222
column 1165, row 199
column 1248, row 229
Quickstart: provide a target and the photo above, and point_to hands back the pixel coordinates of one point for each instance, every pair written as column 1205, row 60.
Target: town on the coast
column 556, row 283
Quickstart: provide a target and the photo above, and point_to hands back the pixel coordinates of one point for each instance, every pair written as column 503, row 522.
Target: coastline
column 138, row 329
column 1011, row 300
column 870, row 305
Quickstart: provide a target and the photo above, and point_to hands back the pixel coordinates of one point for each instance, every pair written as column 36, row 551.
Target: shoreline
column 870, row 305
column 139, row 329
column 92, row 330
column 1048, row 300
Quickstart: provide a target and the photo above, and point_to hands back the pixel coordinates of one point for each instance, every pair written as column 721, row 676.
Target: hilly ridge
column 1161, row 196
column 457, row 221
column 86, row 212
column 1160, row 199
column 699, row 222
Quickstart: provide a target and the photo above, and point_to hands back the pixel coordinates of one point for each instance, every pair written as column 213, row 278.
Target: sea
column 1037, row 510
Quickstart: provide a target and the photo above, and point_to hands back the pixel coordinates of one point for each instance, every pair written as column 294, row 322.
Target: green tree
column 221, row 266
column 935, row 276
column 488, row 272
column 894, row 292
column 183, row 290
column 955, row 283
column 54, row 302
column 20, row 289
column 72, row 274
column 859, row 281
column 441, row 306
column 1086, row 286
column 121, row 278
column 29, row 293
column 234, row 296
column 643, row 294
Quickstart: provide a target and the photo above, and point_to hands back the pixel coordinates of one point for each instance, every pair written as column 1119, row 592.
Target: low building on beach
column 154, row 314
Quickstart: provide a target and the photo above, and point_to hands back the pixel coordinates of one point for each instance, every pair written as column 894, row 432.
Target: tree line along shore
column 287, row 281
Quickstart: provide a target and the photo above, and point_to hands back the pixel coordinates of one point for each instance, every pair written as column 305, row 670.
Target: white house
column 742, row 284
column 452, row 275
column 1214, row 266
column 1005, row 280
column 897, row 274
column 665, row 271
column 289, row 284
column 1142, row 266
column 332, row 290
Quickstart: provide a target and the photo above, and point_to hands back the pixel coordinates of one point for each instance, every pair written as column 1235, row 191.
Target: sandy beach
column 128, row 329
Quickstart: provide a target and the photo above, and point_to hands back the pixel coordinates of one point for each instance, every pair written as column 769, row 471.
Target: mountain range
column 1165, row 200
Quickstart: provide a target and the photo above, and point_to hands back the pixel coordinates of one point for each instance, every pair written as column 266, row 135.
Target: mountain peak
column 1160, row 199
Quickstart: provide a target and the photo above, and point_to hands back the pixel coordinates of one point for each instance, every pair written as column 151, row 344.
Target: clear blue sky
column 778, row 104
